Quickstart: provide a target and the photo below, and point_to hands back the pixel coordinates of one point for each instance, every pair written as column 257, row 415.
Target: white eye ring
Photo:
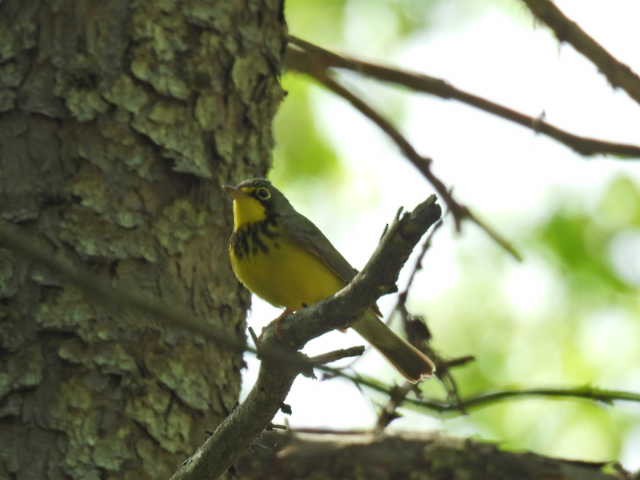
column 263, row 193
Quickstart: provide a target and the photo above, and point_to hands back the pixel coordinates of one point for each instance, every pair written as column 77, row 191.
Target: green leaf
column 620, row 205
column 580, row 246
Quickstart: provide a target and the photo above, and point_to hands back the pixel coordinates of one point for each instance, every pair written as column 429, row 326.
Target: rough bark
column 416, row 457
column 119, row 121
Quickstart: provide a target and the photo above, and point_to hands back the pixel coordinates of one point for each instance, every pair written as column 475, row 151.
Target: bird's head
column 254, row 200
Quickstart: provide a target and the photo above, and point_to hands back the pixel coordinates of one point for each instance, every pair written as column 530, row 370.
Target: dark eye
column 263, row 193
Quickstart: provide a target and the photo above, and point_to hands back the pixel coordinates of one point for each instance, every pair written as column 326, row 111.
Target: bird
column 284, row 258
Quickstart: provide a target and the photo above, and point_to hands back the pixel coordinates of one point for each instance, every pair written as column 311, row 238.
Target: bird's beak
column 232, row 191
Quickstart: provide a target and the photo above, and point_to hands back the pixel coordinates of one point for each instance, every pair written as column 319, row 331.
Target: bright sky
column 508, row 174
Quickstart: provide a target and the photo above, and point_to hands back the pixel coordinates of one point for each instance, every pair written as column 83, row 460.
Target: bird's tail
column 408, row 360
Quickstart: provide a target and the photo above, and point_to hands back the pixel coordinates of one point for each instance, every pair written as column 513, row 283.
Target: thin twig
column 389, row 412
column 401, row 297
column 493, row 234
column 254, row 337
column 422, row 163
column 459, row 361
column 308, row 56
column 417, row 266
column 487, row 399
column 617, row 73
column 337, row 355
column 419, row 335
column 588, row 393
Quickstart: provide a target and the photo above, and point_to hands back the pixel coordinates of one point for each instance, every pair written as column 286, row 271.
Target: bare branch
column 431, row 455
column 417, row 266
column 417, row 332
column 308, row 57
column 378, row 277
column 389, row 412
column 337, row 355
column 487, row 399
column 493, row 234
column 423, row 164
column 587, row 393
column 617, row 73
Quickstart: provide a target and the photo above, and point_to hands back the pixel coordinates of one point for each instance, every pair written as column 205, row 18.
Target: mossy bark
column 119, row 121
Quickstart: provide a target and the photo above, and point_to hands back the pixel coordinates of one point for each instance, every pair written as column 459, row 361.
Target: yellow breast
column 285, row 274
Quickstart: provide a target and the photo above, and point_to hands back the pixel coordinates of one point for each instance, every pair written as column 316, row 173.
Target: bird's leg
column 281, row 317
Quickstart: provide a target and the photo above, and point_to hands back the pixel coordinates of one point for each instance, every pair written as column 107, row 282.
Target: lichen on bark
column 119, row 121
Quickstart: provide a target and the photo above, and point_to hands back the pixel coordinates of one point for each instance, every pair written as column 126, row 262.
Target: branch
column 487, row 399
column 389, row 412
column 420, row 342
column 289, row 455
column 418, row 334
column 307, row 57
column 586, row 393
column 423, row 164
column 618, row 74
column 239, row 429
column 337, row 355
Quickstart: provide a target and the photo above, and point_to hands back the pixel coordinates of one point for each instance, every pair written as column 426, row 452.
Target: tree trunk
column 279, row 456
column 119, row 121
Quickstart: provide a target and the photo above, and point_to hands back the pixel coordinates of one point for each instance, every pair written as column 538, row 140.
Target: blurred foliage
column 332, row 23
column 303, row 152
column 620, row 206
column 578, row 246
column 361, row 27
column 375, row 27
column 574, row 321
column 317, row 21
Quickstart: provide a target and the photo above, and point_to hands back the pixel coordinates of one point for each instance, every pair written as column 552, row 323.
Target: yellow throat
column 247, row 210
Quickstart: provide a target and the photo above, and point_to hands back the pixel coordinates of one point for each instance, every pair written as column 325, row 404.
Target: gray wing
column 300, row 230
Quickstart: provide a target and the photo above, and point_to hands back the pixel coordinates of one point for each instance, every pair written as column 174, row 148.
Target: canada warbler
column 280, row 255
